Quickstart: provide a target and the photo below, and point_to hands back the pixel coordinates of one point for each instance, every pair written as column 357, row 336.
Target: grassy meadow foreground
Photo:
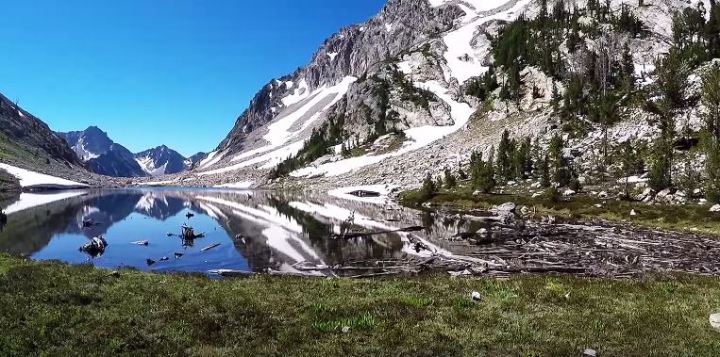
column 57, row 309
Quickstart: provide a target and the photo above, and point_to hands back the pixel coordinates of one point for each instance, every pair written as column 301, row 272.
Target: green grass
column 56, row 309
column 690, row 217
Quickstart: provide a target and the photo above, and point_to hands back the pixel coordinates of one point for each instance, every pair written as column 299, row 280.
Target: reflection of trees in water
column 3, row 220
column 338, row 250
column 6, row 199
column 28, row 231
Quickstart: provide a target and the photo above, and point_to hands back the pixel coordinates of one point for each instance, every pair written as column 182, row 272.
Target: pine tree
column 558, row 165
column 711, row 146
column 672, row 79
column 659, row 177
column 628, row 70
column 522, row 162
column 483, row 174
column 429, row 189
column 545, row 172
column 450, row 181
column 504, row 157
column 711, row 100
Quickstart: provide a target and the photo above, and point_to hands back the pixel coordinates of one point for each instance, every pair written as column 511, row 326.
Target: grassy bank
column 60, row 310
column 690, row 217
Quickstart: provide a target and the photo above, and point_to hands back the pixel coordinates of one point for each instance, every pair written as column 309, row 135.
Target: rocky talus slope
column 392, row 99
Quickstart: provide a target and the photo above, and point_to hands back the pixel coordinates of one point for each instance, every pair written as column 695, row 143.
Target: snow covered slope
column 33, row 180
column 397, row 85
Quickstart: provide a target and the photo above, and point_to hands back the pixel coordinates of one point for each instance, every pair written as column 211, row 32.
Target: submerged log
column 212, row 246
column 364, row 193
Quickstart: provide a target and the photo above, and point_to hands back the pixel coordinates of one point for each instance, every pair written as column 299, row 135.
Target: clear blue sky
column 152, row 72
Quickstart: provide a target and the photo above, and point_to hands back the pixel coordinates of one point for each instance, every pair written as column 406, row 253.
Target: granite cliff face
column 396, row 97
column 400, row 26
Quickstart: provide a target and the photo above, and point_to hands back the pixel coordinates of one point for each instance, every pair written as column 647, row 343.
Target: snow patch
column 332, row 55
column 420, row 137
column 463, row 60
column 32, row 179
column 211, row 159
column 280, row 137
column 30, row 200
column 300, row 93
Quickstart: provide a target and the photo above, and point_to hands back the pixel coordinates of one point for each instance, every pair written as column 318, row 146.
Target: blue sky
column 152, row 72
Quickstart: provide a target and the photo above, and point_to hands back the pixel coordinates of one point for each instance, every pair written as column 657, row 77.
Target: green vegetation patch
column 690, row 217
column 56, row 309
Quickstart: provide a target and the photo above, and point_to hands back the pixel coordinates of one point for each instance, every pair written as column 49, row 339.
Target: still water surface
column 243, row 231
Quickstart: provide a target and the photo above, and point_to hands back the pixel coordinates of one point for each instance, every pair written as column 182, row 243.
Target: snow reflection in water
column 243, row 231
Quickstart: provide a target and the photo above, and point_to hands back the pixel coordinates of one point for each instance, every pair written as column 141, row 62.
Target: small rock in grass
column 346, row 329
column 715, row 321
column 589, row 352
column 633, row 213
column 476, row 296
column 715, row 208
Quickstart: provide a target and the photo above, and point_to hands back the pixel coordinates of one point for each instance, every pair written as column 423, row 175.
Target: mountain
column 192, row 161
column 162, row 161
column 423, row 85
column 101, row 154
column 26, row 139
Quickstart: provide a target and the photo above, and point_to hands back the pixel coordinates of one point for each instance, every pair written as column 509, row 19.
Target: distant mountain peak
column 103, row 156
column 162, row 160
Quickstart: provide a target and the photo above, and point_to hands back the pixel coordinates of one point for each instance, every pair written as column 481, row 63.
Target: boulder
column 715, row 208
column 664, row 193
column 507, row 207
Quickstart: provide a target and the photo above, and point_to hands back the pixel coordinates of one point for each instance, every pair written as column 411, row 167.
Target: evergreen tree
column 522, row 161
column 659, row 177
column 545, row 172
column 483, row 174
column 628, row 70
column 504, row 158
column 711, row 100
column 428, row 189
column 672, row 79
column 558, row 165
column 712, row 168
column 450, row 181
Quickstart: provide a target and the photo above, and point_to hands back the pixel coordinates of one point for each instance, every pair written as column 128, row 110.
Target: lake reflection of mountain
column 258, row 232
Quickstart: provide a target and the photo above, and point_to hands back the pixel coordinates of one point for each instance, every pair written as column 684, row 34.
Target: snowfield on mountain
column 404, row 66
